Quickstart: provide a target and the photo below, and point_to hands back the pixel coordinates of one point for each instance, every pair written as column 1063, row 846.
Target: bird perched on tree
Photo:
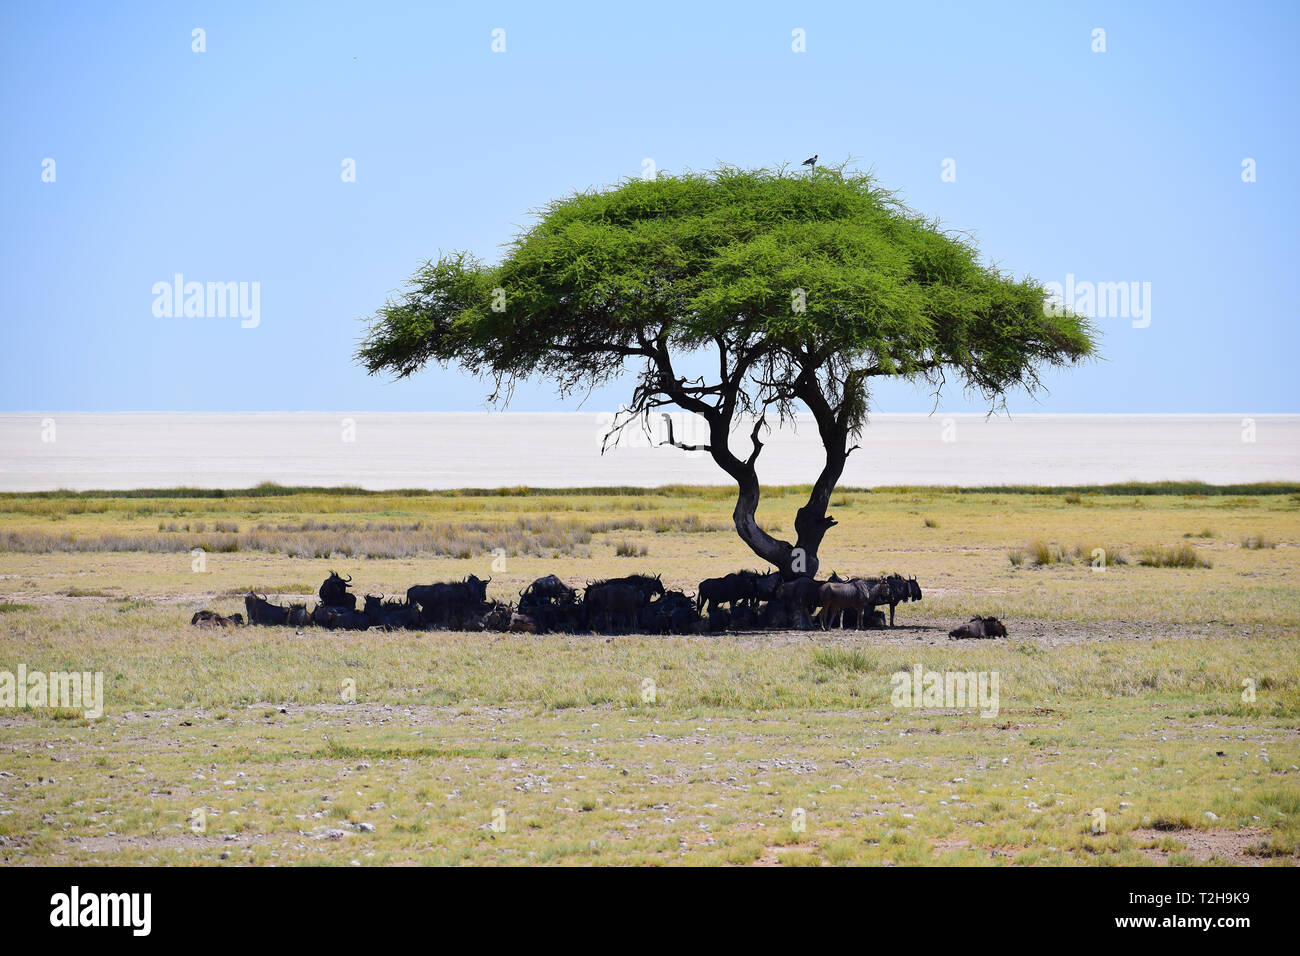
column 811, row 161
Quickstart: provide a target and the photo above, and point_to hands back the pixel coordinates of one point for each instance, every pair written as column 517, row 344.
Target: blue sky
column 225, row 166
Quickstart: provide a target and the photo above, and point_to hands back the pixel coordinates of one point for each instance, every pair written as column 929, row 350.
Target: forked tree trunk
column 811, row 521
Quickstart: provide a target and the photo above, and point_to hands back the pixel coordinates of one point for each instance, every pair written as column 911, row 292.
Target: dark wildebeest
column 609, row 605
column 673, row 613
column 860, row 594
column 901, row 589
column 213, row 619
column 549, row 588
column 298, row 615
column 715, row 592
column 334, row 592
column 351, row 620
column 644, row 583
column 979, row 627
column 743, row 617
column 440, row 603
column 262, row 611
column 780, row 614
column 551, row 604
column 766, row 587
column 496, row 618
column 736, row 588
column 323, row 616
column 802, row 594
column 390, row 614
column 521, row 623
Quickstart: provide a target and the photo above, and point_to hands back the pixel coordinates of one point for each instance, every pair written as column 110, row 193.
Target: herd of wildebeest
column 637, row 603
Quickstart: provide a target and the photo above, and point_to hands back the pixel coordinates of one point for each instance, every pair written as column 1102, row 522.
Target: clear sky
column 227, row 166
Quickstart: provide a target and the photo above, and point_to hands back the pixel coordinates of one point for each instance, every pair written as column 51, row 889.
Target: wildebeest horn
column 349, row 579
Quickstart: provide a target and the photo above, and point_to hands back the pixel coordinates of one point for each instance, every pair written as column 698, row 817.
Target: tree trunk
column 811, row 521
column 772, row 550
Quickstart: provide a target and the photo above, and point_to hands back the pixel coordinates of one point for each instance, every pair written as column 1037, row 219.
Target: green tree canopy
column 806, row 287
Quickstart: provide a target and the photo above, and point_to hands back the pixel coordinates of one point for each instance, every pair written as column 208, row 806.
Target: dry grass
column 1120, row 689
column 1177, row 556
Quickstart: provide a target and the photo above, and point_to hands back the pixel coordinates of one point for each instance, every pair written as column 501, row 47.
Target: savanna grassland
column 1140, row 621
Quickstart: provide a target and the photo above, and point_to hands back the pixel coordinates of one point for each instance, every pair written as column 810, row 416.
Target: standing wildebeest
column 262, row 611
column 901, row 589
column 440, row 603
column 979, row 627
column 606, row 603
column 609, row 604
column 766, row 587
column 860, row 594
column 730, row 589
column 334, row 592
column 647, row 585
column 213, row 619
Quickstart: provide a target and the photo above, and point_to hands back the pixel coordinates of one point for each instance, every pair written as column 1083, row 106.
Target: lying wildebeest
column 207, row 618
column 743, row 617
column 334, row 592
column 802, row 594
column 849, row 617
column 496, row 618
column 780, row 614
column 551, row 604
column 978, row 627
column 390, row 614
column 860, row 594
column 339, row 618
column 521, row 623
column 441, row 603
column 672, row 613
column 549, row 588
column 323, row 616
column 262, row 611
column 354, row 621
column 298, row 615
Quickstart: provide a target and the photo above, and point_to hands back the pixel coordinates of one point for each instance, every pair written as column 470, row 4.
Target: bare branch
column 668, row 421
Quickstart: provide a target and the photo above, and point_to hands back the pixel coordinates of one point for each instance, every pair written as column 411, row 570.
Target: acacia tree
column 808, row 287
